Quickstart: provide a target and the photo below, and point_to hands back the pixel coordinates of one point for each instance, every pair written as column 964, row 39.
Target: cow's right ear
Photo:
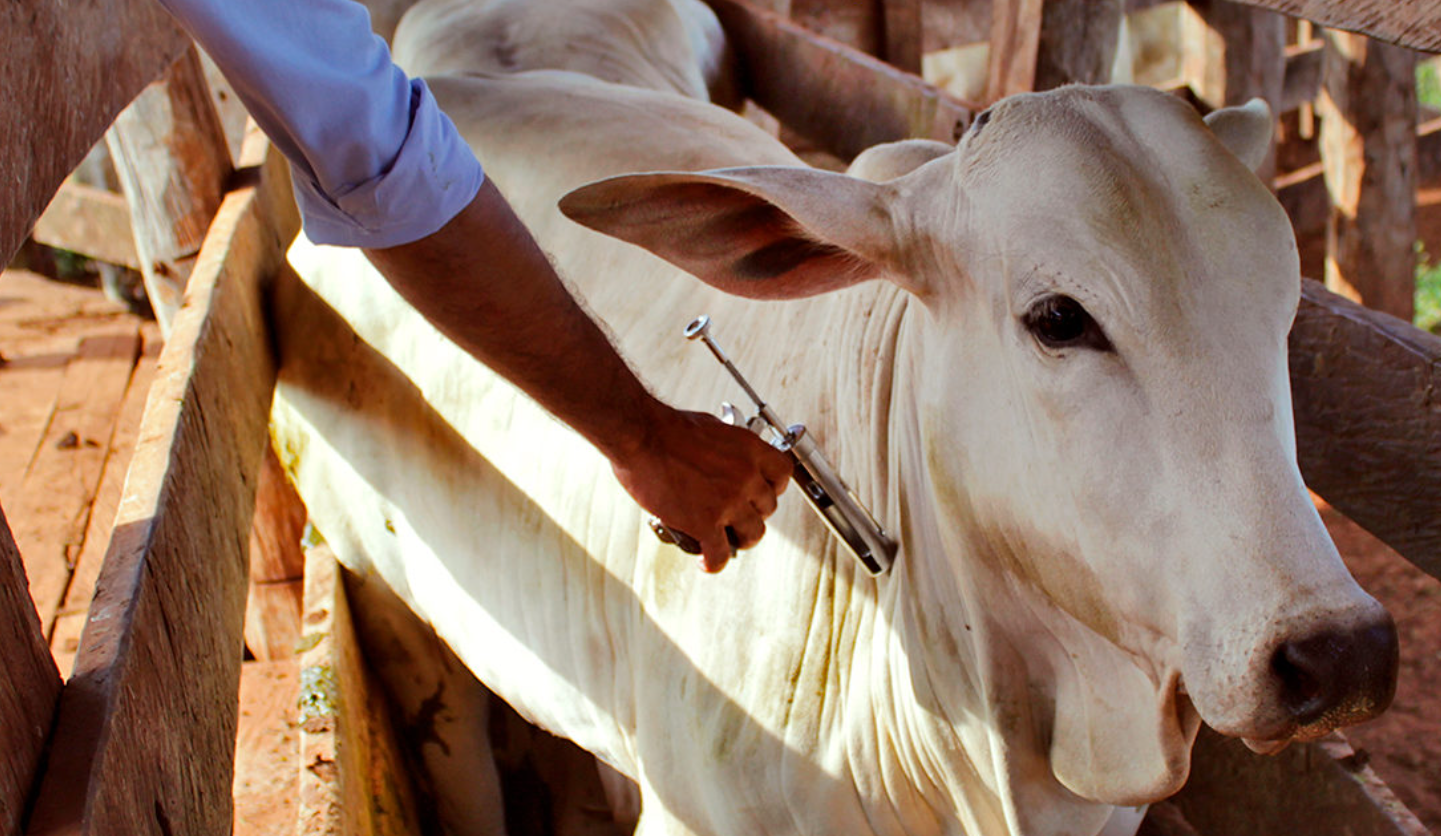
column 770, row 232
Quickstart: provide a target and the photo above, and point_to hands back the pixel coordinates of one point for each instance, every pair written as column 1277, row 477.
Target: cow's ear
column 1245, row 130
column 771, row 232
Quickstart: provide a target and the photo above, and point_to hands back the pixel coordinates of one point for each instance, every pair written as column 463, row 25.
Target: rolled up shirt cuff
column 434, row 176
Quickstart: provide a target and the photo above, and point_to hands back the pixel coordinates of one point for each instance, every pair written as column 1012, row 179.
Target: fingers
column 776, row 467
column 748, row 531
column 716, row 552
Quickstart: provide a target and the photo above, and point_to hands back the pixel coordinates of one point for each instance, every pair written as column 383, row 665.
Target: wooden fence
column 141, row 738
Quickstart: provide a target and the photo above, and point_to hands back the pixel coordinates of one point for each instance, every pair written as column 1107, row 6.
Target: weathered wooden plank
column 145, row 736
column 267, row 749
column 843, row 99
column 1044, row 44
column 352, row 773
column 1232, row 52
column 90, row 221
column 68, row 70
column 1410, row 23
column 1368, row 147
column 70, row 620
column 1015, row 44
column 1320, row 787
column 173, row 161
column 1301, row 82
column 53, row 506
column 29, row 687
column 277, row 566
column 1367, row 393
column 1078, row 42
column 903, row 39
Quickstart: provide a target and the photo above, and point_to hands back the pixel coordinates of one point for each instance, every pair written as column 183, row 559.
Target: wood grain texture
column 173, row 161
column 1231, row 53
column 841, row 98
column 70, row 620
column 146, row 731
column 1078, row 42
column 29, row 687
column 277, row 565
column 1322, row 788
column 68, row 68
column 1368, row 148
column 267, row 749
column 1410, row 23
column 1015, row 44
column 53, row 508
column 903, row 37
column 1367, row 393
column 90, row 221
column 353, row 778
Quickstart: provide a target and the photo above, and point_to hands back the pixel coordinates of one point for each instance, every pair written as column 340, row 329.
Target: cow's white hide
column 1099, row 548
column 670, row 45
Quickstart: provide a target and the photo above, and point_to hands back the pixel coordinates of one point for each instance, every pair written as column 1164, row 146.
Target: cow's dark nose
column 1339, row 676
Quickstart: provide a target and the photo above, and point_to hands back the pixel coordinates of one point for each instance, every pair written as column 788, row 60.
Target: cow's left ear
column 1245, row 130
column 769, row 232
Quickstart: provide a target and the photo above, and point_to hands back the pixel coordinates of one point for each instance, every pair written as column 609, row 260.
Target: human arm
column 483, row 281
column 377, row 165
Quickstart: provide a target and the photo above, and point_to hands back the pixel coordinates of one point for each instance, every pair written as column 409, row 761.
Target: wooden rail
column 832, row 94
column 1415, row 24
column 68, row 70
column 146, row 727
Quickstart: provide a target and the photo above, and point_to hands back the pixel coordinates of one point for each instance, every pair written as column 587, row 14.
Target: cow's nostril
column 1340, row 676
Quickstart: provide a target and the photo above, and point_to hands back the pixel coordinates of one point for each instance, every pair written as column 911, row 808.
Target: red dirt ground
column 1405, row 742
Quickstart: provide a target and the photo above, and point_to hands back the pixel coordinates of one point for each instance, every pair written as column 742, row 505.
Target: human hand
column 700, row 475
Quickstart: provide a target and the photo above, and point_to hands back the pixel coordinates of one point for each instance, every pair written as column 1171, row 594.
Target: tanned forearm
column 485, row 283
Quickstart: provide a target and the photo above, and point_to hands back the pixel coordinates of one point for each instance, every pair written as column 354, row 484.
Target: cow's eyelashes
column 1059, row 321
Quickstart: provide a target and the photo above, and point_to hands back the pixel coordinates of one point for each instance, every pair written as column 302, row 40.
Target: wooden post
column 277, row 566
column 1231, row 54
column 353, row 777
column 902, row 42
column 29, row 687
column 145, row 736
column 1043, row 44
column 173, row 161
column 1368, row 148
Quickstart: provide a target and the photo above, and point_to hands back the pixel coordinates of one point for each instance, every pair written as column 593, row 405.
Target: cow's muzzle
column 1337, row 677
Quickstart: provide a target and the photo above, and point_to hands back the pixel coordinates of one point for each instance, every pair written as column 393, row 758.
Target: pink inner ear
column 725, row 236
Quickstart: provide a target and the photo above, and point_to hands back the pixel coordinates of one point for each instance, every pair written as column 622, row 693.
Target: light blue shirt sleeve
column 376, row 162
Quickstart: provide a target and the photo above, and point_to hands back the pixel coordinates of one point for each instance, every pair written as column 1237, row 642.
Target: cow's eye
column 1060, row 322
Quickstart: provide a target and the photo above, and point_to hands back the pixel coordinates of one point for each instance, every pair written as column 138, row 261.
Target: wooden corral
column 141, row 738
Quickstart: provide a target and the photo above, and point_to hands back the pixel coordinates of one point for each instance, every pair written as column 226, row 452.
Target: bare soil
column 1404, row 744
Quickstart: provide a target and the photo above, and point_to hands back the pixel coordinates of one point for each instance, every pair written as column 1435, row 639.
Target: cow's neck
column 950, row 706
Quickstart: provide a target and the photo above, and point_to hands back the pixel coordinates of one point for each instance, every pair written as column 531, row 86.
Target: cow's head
column 1102, row 402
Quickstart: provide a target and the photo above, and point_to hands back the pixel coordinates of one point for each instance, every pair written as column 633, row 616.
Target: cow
column 1051, row 359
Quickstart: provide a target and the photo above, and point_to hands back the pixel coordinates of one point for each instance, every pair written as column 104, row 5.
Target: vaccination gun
column 831, row 498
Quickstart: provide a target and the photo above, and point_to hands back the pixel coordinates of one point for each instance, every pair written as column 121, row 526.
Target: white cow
column 1052, row 360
